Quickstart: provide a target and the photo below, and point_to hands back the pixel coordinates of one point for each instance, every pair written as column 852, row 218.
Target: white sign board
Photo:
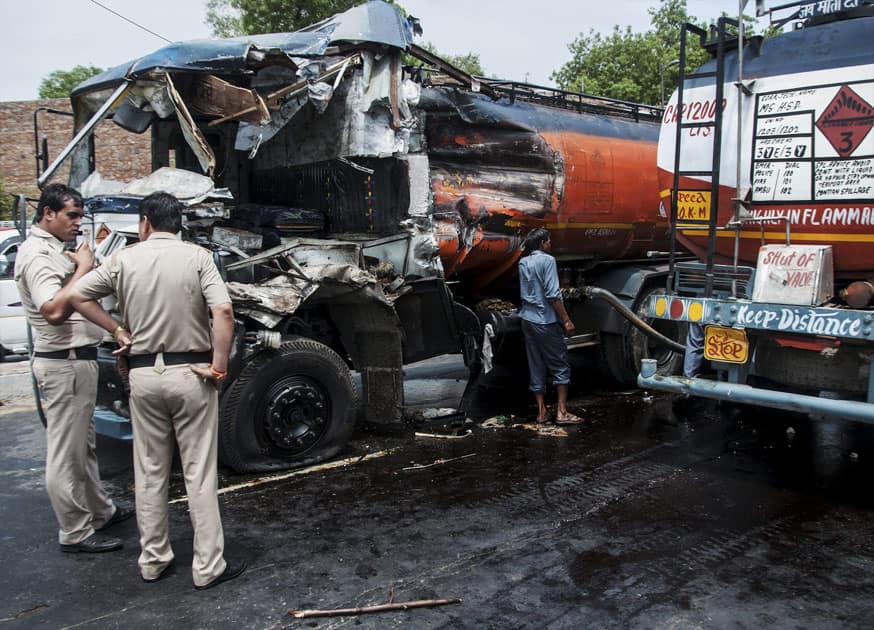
column 794, row 274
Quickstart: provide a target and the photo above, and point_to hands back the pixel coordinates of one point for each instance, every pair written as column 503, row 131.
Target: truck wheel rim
column 295, row 415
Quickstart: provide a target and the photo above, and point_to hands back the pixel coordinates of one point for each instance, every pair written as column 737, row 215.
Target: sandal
column 568, row 418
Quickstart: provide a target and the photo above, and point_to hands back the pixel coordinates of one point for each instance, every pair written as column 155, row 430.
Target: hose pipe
column 631, row 316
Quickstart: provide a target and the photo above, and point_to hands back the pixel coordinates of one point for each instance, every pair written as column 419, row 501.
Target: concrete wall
column 120, row 154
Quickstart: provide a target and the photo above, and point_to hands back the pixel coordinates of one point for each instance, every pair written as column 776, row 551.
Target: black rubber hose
column 627, row 313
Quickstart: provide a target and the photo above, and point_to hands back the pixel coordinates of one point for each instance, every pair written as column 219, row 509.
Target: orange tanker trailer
column 585, row 170
column 581, row 166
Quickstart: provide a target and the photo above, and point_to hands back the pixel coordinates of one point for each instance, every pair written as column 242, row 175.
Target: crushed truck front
column 372, row 208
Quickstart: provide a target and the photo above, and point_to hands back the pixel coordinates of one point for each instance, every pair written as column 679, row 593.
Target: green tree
column 470, row 62
column 223, row 19
column 230, row 18
column 60, row 83
column 627, row 65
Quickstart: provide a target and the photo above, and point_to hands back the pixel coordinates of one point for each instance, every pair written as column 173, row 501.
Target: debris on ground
column 550, row 430
column 509, row 422
column 441, row 412
column 443, row 436
column 437, row 462
column 497, row 422
column 342, row 463
column 339, row 612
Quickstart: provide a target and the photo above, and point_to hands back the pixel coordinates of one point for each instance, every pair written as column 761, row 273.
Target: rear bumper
column 746, row 394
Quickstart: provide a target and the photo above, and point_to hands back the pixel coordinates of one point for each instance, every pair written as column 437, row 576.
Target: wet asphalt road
column 655, row 513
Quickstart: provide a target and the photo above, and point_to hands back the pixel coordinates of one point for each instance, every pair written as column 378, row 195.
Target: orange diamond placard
column 846, row 121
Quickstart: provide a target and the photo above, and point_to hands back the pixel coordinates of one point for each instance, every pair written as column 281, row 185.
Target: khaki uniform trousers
column 168, row 401
column 68, row 390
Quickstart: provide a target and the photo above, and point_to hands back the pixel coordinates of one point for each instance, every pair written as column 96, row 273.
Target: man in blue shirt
column 545, row 323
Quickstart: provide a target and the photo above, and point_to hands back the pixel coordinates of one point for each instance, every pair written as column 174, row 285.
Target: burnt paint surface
column 656, row 513
column 500, row 169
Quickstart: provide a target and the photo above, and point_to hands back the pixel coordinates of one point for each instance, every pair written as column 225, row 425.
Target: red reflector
column 805, row 343
column 676, row 309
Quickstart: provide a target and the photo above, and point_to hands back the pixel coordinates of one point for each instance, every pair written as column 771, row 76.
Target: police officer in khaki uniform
column 166, row 290
column 65, row 366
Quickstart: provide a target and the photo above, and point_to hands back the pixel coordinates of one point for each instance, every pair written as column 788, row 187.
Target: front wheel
column 291, row 407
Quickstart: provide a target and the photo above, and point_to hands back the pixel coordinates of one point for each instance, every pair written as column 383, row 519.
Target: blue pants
column 546, row 350
column 694, row 358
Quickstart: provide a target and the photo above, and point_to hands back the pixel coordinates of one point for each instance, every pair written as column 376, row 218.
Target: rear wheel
column 622, row 353
column 290, row 407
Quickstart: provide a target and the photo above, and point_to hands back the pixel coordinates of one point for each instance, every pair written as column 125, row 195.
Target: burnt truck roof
column 375, row 22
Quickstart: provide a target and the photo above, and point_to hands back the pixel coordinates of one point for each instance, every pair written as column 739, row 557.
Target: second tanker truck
column 373, row 215
column 766, row 158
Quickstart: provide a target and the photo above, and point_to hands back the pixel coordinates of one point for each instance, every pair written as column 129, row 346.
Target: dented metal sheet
column 374, row 22
column 286, row 102
column 269, row 302
column 357, row 122
column 308, row 252
column 193, row 135
column 340, row 274
column 280, row 295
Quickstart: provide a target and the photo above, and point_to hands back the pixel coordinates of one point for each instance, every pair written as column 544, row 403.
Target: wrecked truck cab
column 306, row 312
column 332, row 152
column 309, row 135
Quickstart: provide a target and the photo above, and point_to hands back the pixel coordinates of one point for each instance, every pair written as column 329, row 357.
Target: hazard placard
column 846, row 121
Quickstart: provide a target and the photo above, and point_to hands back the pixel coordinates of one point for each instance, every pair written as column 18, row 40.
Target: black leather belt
column 85, row 353
column 170, row 358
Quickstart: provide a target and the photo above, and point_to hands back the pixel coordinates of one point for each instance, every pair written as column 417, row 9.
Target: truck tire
column 622, row 353
column 290, row 407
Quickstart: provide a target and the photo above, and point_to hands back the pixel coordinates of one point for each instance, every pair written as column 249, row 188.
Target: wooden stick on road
column 338, row 612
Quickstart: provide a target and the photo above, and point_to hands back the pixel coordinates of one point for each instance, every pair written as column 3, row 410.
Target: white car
column 13, row 325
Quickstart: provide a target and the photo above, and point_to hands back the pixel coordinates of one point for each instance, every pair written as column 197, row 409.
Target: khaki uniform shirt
column 41, row 269
column 165, row 288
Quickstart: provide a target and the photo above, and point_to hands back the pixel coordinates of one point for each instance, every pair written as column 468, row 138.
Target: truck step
column 112, row 425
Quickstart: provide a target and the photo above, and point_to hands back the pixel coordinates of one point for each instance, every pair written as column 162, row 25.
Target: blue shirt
column 538, row 286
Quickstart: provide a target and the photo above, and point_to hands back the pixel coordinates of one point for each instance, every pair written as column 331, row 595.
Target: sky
column 515, row 39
